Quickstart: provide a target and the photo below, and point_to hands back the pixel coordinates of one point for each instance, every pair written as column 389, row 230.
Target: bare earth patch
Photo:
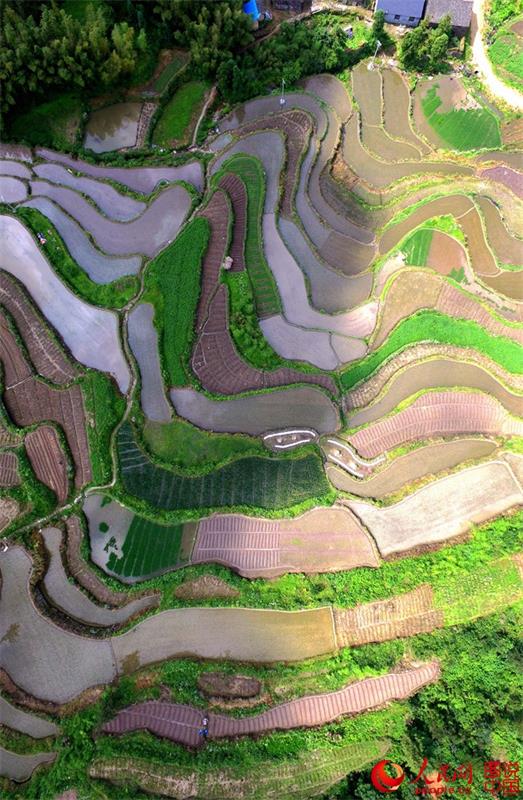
column 443, row 509
column 219, row 684
column 206, row 587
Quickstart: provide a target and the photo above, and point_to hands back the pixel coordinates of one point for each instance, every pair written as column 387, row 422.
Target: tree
column 378, row 25
column 424, row 48
column 414, row 47
column 55, row 51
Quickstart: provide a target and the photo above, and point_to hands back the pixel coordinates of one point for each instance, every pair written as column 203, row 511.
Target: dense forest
column 93, row 47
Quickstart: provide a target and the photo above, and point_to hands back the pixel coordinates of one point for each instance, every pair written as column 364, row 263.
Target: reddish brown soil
column 206, row 587
column 220, row 369
column 181, row 723
column 9, row 474
column 31, row 401
column 508, row 283
column 402, row 615
column 234, row 186
column 219, row 684
column 512, row 132
column 48, row 460
column 321, row 540
column 445, row 253
column 217, row 214
column 45, row 353
column 16, row 368
column 436, row 414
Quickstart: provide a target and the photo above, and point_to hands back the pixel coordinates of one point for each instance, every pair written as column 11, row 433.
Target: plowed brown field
column 48, row 460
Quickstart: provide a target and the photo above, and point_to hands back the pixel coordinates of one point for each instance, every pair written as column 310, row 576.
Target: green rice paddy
column 249, row 483
column 416, row 248
column 177, row 120
column 172, row 285
column 462, row 129
column 149, row 548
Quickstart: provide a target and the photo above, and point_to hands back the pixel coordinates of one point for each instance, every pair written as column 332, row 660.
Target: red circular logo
column 382, row 781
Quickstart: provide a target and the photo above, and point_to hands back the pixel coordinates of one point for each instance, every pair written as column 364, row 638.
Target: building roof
column 250, row 8
column 460, row 11
column 406, row 8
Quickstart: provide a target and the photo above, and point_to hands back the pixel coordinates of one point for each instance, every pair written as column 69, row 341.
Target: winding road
column 500, row 90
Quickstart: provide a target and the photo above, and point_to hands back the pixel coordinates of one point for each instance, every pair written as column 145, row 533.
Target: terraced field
column 334, row 282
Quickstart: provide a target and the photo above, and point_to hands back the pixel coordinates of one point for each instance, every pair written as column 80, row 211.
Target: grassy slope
column 109, row 295
column 105, row 406
column 175, row 124
column 506, row 55
column 430, row 326
column 172, row 284
column 171, row 69
column 462, row 129
column 185, row 446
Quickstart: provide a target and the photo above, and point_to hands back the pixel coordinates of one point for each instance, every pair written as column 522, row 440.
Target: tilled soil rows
column 48, row 460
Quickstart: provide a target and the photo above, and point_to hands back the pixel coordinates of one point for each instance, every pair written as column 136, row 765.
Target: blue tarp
column 250, row 7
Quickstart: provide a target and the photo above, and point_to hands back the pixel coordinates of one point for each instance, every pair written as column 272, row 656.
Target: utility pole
column 282, row 98
column 371, row 64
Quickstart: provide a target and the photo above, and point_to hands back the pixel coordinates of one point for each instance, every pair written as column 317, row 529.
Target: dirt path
column 496, row 86
column 210, row 99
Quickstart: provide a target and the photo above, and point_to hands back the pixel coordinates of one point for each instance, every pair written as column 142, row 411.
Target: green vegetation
column 34, row 498
column 299, row 778
column 430, row 326
column 499, row 11
column 264, row 286
column 172, row 284
column 295, row 51
column 252, row 483
column 105, row 407
column 484, row 555
column 187, row 447
column 148, row 548
column 424, row 49
column 108, row 295
column 458, row 275
column 176, row 123
column 462, row 129
column 53, row 124
column 417, row 246
column 172, row 69
column 506, row 54
column 446, row 224
column 487, row 589
column 480, row 661
column 244, row 326
column 52, row 50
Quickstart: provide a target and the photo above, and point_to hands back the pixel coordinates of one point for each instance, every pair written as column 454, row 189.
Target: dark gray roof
column 407, row 8
column 460, row 11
